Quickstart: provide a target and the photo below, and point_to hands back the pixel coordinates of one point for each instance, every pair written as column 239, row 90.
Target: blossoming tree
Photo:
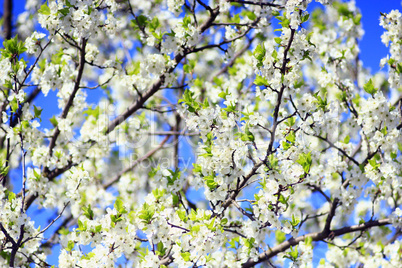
column 192, row 133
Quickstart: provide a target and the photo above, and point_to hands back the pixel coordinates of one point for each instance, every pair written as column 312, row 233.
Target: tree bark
column 7, row 18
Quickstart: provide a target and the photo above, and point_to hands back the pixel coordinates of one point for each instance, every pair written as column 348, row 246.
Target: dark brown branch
column 17, row 245
column 315, row 237
column 51, row 175
column 72, row 96
column 318, row 189
column 279, row 98
column 257, row 3
column 339, row 149
column 7, row 18
column 49, row 225
column 156, row 86
column 330, row 216
column 7, row 235
column 232, row 197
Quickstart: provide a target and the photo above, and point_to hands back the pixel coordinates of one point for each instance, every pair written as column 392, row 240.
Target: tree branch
column 156, row 86
column 316, row 237
column 7, row 19
column 72, row 96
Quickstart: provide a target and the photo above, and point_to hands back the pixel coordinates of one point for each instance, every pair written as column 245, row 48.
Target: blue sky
column 372, row 50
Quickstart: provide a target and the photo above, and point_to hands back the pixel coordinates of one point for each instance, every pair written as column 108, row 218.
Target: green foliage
column 369, row 88
column 260, row 81
column 146, row 214
column 118, row 205
column 293, row 254
column 210, row 182
column 322, row 103
column 259, row 54
column 88, row 212
column 192, row 104
column 175, row 175
column 280, row 236
column 70, row 245
column 305, row 161
column 247, row 135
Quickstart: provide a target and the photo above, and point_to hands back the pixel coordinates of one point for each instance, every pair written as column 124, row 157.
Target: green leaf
column 322, row 102
column 88, row 256
column 259, row 54
column 384, row 130
column 206, row 103
column 88, row 212
column 154, row 24
column 369, row 87
column 175, row 199
column 308, row 241
column 218, row 81
column 357, row 18
column 210, row 182
column 224, row 221
column 291, row 137
column 249, row 243
column 25, row 124
column 146, row 213
column 294, row 221
column 305, row 161
column 247, row 135
column 195, row 228
column 273, row 161
column 37, row 112
column 64, row 231
column 158, row 193
column 119, row 206
column 185, row 256
column 197, row 169
column 260, row 81
column 4, row 170
column 182, row 215
column 186, row 21
column 141, row 20
column 11, row 196
column 305, row 17
column 294, row 253
column 291, row 121
column 374, row 163
column 63, row 11
column 53, row 120
column 160, row 250
column 251, row 15
column 278, row 40
column 82, row 226
column 98, row 228
column 14, row 105
column 234, row 242
column 189, row 100
column 283, row 200
column 187, row 68
column 70, row 245
column 286, row 145
column 280, row 236
column 275, row 13
column 44, row 9
column 230, row 108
